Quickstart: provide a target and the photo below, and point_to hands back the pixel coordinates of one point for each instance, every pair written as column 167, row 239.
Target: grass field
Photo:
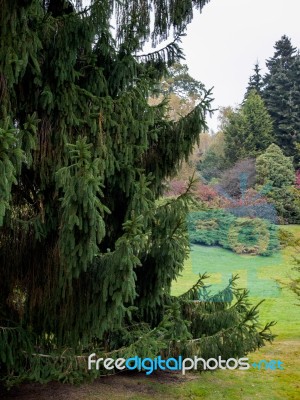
column 222, row 384
column 261, row 275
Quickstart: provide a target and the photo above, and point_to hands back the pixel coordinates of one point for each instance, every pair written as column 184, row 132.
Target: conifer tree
column 87, row 258
column 257, row 126
column 255, row 81
column 281, row 95
column 248, row 131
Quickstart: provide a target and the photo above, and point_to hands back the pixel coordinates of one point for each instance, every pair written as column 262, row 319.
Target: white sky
column 224, row 42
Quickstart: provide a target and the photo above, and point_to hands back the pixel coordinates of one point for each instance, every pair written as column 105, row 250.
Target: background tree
column 87, row 257
column 212, row 161
column 255, row 81
column 180, row 82
column 281, row 95
column 248, row 131
column 211, row 165
column 257, row 125
column 179, row 89
column 275, row 169
column 206, row 141
column 241, row 176
column 183, row 93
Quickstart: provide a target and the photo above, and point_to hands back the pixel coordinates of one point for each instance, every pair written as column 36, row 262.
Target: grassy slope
column 268, row 270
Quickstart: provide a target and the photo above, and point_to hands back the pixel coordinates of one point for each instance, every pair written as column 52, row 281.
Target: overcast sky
column 224, row 42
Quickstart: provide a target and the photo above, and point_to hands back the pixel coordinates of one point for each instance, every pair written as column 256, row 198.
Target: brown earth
column 125, row 385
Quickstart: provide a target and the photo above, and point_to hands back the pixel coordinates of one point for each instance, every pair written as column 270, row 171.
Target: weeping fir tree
column 86, row 257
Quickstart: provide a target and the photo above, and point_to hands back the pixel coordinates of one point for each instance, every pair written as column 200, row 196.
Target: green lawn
column 261, row 275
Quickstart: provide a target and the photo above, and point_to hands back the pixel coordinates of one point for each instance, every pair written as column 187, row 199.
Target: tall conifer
column 281, row 95
column 87, row 258
column 255, row 81
column 248, row 131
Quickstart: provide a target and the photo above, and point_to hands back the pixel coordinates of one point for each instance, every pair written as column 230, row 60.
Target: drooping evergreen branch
column 168, row 55
column 11, row 158
column 82, row 210
column 177, row 135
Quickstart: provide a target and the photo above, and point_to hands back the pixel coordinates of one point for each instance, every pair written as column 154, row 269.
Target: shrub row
column 241, row 235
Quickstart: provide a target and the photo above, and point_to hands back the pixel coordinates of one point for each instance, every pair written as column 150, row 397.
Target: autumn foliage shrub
column 207, row 195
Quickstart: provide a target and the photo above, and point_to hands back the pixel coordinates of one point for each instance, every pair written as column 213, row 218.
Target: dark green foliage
column 255, row 81
column 248, row 131
column 59, row 7
column 209, row 227
column 223, row 325
column 233, row 137
column 257, row 125
column 87, row 258
column 241, row 235
column 281, row 95
column 11, row 157
column 229, row 309
column 211, row 166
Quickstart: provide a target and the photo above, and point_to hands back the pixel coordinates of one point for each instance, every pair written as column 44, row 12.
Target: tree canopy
column 281, row 95
column 248, row 130
column 255, row 81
